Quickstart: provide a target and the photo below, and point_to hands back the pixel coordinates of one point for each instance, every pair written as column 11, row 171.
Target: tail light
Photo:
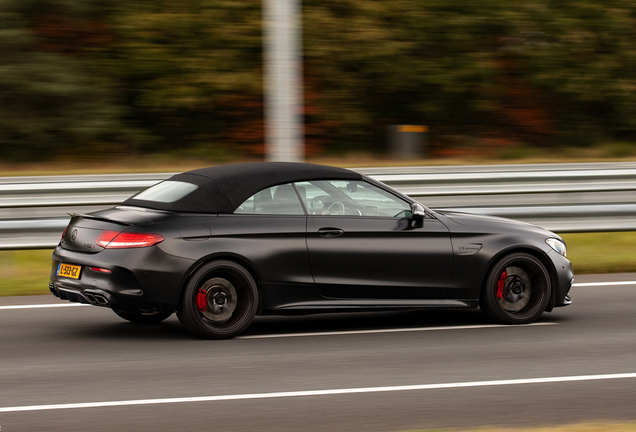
column 123, row 240
column 64, row 233
column 100, row 270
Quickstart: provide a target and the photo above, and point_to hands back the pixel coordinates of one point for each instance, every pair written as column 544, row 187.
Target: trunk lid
column 83, row 230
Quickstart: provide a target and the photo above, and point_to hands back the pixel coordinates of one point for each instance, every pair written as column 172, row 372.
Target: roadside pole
column 282, row 80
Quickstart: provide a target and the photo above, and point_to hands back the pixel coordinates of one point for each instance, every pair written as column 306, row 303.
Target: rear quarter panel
column 272, row 246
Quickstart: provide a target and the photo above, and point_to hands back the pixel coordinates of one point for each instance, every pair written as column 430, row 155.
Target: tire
column 143, row 317
column 219, row 301
column 517, row 290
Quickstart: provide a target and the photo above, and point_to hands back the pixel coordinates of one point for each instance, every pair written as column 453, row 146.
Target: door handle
column 330, row 232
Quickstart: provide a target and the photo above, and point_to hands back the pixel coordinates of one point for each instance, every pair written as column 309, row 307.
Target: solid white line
column 396, row 330
column 54, row 305
column 589, row 284
column 318, row 392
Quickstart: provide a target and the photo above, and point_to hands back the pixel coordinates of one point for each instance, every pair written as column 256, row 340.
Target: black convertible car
column 220, row 245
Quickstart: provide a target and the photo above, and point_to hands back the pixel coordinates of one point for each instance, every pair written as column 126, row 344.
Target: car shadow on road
column 362, row 321
column 272, row 326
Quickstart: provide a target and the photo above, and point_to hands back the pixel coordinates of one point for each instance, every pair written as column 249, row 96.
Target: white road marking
column 53, row 305
column 396, row 330
column 589, row 284
column 329, row 392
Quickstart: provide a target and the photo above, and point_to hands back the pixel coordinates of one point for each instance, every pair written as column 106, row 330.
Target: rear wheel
column 517, row 290
column 219, row 301
column 143, row 317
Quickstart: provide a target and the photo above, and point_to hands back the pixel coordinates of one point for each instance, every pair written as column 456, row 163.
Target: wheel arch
column 538, row 254
column 235, row 258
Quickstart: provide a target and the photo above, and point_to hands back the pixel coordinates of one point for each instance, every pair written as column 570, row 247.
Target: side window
column 355, row 198
column 277, row 200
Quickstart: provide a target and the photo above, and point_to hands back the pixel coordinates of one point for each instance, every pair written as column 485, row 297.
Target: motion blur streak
column 590, row 284
column 321, row 392
column 40, row 306
column 398, row 330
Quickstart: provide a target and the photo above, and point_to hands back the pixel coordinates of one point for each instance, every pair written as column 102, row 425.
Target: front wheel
column 219, row 301
column 517, row 290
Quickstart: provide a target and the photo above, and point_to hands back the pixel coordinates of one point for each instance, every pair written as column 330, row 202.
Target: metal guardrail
column 559, row 197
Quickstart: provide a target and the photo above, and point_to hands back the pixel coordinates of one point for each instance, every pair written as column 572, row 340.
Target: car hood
column 484, row 222
column 471, row 218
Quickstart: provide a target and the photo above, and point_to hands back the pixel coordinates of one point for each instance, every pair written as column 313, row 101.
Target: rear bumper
column 79, row 295
column 140, row 279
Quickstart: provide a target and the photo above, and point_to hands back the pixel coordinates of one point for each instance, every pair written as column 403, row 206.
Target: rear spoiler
column 103, row 219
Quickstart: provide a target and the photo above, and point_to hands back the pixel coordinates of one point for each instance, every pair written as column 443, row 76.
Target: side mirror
column 417, row 212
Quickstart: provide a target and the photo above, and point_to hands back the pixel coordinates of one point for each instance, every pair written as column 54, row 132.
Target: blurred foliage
column 51, row 96
column 540, row 72
column 126, row 76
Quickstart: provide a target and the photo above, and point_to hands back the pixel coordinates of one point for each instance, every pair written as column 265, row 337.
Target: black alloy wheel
column 517, row 290
column 142, row 317
column 219, row 301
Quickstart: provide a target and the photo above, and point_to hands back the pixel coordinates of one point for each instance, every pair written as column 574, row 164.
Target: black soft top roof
column 222, row 189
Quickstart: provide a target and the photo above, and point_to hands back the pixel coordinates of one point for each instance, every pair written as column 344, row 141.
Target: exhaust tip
column 100, row 300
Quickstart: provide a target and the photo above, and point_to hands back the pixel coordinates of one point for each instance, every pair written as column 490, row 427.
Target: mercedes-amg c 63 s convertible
column 220, row 245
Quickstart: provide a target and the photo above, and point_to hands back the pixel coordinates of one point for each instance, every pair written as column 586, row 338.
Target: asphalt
column 81, row 354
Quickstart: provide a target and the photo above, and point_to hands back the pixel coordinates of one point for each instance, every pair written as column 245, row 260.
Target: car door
column 363, row 244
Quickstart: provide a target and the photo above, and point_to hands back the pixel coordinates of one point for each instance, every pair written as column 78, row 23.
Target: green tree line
column 125, row 76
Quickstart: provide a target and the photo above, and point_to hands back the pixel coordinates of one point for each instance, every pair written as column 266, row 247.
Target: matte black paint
column 380, row 258
column 303, row 263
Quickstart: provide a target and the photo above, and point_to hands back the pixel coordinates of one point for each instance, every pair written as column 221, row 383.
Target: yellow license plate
column 68, row 270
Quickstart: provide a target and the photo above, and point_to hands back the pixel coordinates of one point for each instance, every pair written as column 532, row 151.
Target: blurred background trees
column 123, row 76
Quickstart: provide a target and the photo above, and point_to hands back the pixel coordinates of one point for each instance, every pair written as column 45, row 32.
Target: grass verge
column 27, row 272
column 611, row 252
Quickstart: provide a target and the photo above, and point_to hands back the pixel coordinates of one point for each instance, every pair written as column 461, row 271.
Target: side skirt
column 328, row 305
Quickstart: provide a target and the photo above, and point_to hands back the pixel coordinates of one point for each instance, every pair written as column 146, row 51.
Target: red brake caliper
column 500, row 284
column 202, row 300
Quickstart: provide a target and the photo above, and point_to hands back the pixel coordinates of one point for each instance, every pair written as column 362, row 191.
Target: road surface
column 83, row 368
